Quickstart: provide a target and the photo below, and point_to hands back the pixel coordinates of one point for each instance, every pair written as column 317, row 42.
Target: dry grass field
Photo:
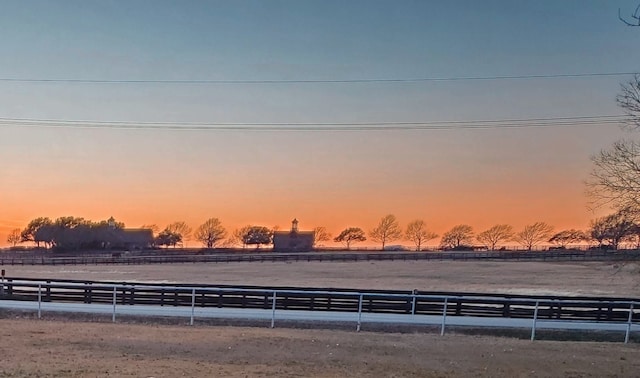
column 56, row 347
column 565, row 278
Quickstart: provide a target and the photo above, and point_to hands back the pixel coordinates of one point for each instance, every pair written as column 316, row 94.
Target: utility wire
column 317, row 126
column 320, row 81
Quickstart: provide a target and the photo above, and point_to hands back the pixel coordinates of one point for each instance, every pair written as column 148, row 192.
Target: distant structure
column 128, row 238
column 294, row 240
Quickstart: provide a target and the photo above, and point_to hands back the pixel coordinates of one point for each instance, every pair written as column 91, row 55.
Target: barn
column 294, row 240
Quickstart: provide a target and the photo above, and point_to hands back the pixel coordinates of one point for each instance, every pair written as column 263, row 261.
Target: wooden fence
column 211, row 257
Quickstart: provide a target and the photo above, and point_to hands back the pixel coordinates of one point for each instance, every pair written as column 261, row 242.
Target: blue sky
column 363, row 175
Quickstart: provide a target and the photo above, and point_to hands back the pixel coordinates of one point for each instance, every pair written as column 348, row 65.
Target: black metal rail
column 582, row 308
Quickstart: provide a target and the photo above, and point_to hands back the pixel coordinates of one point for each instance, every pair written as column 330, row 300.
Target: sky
column 335, row 178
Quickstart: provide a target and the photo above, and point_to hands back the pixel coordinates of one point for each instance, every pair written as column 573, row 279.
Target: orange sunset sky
column 78, row 79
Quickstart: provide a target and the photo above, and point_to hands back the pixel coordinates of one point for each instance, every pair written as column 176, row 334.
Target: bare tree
column 181, row 228
column 495, row 235
column 349, row 236
column 629, row 100
column 320, row 234
column 615, row 178
column 14, row 237
column 458, row 237
column 388, row 229
column 614, row 228
column 634, row 16
column 566, row 237
column 210, row 232
column 236, row 237
column 418, row 233
column 534, row 234
column 634, row 236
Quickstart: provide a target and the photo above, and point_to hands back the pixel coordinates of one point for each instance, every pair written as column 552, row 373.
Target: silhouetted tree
column 29, row 233
column 75, row 233
column 388, row 229
column 418, row 233
column 458, row 237
column 257, row 235
column 181, row 228
column 496, row 234
column 14, row 237
column 210, row 232
column 320, row 234
column 67, row 233
column 615, row 178
column 566, row 237
column 168, row 238
column 236, row 237
column 614, row 228
column 629, row 100
column 350, row 236
column 634, row 236
column 533, row 234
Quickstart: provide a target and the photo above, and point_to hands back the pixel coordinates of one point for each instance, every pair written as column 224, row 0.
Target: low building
column 294, row 240
column 128, row 238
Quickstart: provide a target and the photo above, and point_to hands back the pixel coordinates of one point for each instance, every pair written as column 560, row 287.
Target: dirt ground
column 567, row 278
column 54, row 348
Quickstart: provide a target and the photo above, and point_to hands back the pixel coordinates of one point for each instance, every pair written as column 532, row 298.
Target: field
column 54, row 348
column 566, row 278
column 62, row 348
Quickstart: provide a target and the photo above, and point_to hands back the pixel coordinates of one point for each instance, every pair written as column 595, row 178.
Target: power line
column 317, row 126
column 311, row 81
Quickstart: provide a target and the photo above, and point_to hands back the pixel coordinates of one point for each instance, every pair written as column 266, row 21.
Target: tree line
column 607, row 232
column 73, row 233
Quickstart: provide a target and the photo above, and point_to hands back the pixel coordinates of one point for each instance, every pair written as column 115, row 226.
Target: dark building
column 294, row 240
column 128, row 238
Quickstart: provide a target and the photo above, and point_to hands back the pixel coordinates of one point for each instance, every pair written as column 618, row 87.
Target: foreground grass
column 59, row 348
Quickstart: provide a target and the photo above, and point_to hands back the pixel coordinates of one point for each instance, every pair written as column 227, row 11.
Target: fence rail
column 318, row 301
column 212, row 257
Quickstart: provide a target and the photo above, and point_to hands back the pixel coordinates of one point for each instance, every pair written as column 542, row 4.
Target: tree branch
column 635, row 16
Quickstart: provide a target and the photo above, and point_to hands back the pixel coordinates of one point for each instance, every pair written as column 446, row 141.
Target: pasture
column 526, row 277
column 57, row 346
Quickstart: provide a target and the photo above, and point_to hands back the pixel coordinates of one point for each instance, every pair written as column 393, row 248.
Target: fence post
column 39, row 301
column 113, row 316
column 273, row 310
column 444, row 315
column 535, row 319
column 359, row 313
column 413, row 305
column 193, row 304
column 626, row 336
